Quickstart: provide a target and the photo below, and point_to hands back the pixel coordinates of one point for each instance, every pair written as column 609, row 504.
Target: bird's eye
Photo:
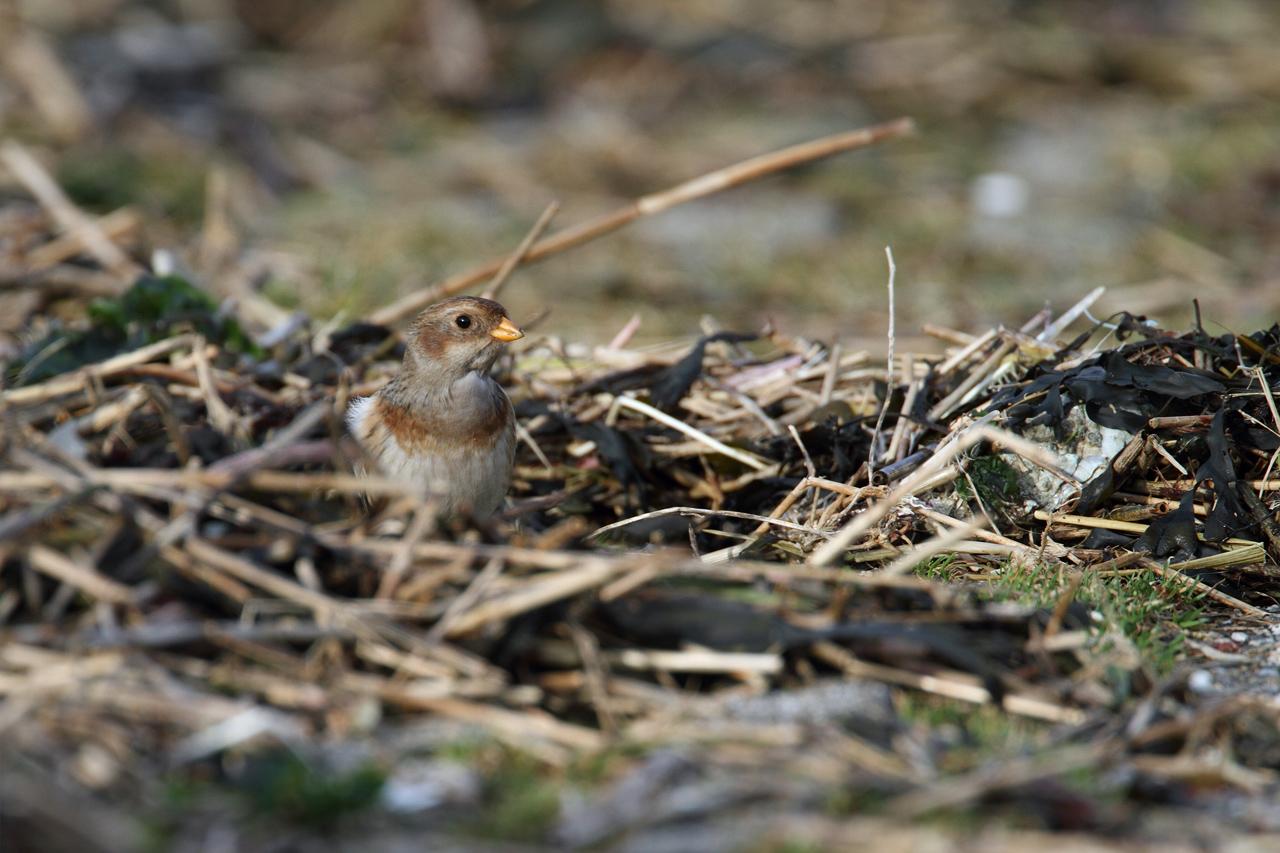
column 463, row 321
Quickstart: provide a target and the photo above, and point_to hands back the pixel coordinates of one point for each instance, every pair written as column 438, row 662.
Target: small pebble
column 1000, row 195
column 1200, row 681
column 1240, row 636
column 419, row 786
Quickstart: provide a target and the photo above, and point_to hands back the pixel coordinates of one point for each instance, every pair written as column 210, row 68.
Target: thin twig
column 704, row 185
column 521, row 252
column 888, row 394
column 41, row 184
column 751, row 461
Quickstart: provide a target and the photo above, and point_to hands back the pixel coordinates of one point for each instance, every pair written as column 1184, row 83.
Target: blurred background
column 347, row 153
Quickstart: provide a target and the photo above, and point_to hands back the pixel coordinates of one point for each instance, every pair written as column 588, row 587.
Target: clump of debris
column 761, row 584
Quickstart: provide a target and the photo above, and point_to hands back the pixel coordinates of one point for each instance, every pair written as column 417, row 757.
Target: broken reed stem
column 898, row 443
column 704, row 185
column 750, row 460
column 469, row 596
column 956, row 444
column 696, row 661
column 950, row 687
column 1171, row 573
column 960, row 356
column 324, row 607
column 84, row 578
column 70, row 218
column 589, row 574
column 142, row 480
column 70, row 383
column 1057, row 327
column 521, row 252
column 972, row 384
column 889, row 373
column 29, row 58
column 1052, row 549
column 1115, row 524
column 696, row 512
column 1012, row 774
column 942, row 542
column 116, row 225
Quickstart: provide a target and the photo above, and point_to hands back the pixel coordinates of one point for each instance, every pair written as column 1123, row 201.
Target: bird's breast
column 460, row 451
column 460, row 424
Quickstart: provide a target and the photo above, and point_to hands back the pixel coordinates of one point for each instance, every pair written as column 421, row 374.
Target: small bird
column 442, row 423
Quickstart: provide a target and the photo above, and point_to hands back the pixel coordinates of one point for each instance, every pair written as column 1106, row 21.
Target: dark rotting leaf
column 1130, row 324
column 670, row 385
column 1263, row 517
column 671, row 620
column 1100, row 538
column 320, row 369
column 1229, row 515
column 626, row 458
column 1109, row 414
column 1173, row 535
column 1179, row 384
column 903, row 467
column 1098, row 490
column 1051, row 412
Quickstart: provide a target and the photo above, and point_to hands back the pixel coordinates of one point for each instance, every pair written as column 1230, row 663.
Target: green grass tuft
column 283, row 785
column 1149, row 612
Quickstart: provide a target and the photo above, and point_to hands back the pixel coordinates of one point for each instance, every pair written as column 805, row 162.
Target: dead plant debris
column 697, row 584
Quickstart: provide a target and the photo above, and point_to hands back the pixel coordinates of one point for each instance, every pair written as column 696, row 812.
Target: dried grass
column 203, row 599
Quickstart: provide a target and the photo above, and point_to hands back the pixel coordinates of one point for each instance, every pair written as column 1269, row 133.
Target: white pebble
column 1239, row 637
column 1200, row 681
column 1000, row 195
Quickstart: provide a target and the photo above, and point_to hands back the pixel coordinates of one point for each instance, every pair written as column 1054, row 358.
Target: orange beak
column 506, row 331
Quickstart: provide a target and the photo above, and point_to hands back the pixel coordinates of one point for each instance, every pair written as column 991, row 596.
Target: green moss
column 521, row 798
column 155, row 307
column 467, row 750
column 594, row 768
column 281, row 785
column 105, row 178
column 974, row 733
column 994, row 479
column 275, row 787
column 522, row 802
column 282, row 293
column 845, row 801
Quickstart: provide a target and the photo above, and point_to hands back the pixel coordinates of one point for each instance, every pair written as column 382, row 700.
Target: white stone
column 1000, row 195
column 1200, row 681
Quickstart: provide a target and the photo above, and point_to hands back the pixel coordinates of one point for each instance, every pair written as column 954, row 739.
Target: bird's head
column 459, row 335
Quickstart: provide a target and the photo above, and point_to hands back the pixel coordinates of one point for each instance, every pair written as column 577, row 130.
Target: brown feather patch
column 431, row 342
column 419, row 433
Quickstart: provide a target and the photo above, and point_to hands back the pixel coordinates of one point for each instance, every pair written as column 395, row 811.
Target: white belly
column 464, row 479
column 474, row 479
